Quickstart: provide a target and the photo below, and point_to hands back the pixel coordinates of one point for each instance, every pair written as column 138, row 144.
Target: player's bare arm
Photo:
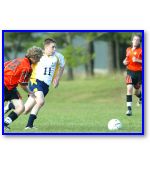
column 26, row 89
column 125, row 61
column 58, row 76
column 134, row 59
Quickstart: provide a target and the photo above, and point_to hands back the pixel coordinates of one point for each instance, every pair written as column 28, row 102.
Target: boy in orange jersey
column 16, row 72
column 133, row 62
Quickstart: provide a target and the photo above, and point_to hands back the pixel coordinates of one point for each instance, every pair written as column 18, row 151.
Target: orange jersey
column 134, row 66
column 16, row 71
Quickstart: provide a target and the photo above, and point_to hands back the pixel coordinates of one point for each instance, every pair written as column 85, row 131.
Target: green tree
column 116, row 41
column 16, row 42
column 90, row 37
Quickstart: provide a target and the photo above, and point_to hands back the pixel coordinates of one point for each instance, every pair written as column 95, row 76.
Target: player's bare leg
column 129, row 99
column 137, row 93
column 19, row 108
column 33, row 114
column 29, row 104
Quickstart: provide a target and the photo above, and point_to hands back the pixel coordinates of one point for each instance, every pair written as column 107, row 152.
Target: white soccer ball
column 114, row 124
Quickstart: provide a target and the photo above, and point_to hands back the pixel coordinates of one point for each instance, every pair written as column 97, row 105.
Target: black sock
column 13, row 116
column 129, row 98
column 10, row 118
column 129, row 101
column 129, row 108
column 11, row 106
column 31, row 120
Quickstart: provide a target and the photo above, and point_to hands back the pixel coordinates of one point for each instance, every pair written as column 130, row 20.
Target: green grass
column 85, row 105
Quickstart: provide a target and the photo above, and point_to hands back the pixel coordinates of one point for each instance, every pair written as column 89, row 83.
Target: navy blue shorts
column 38, row 85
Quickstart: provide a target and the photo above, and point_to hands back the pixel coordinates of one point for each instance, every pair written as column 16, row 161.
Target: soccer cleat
column 129, row 112
column 29, row 128
column 6, row 128
column 139, row 102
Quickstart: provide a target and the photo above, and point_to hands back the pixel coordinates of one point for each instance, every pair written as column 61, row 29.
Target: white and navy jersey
column 46, row 68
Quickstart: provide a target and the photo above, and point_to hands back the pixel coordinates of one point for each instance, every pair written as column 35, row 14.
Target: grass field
column 85, row 105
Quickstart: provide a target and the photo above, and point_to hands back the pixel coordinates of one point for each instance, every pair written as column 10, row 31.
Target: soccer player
column 18, row 71
column 133, row 62
column 47, row 71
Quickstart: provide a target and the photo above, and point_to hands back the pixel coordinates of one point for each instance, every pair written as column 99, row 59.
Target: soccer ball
column 114, row 124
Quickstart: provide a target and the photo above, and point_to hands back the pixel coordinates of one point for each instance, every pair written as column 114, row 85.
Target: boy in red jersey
column 133, row 62
column 16, row 72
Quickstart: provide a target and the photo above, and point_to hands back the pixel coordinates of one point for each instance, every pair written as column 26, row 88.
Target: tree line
column 75, row 55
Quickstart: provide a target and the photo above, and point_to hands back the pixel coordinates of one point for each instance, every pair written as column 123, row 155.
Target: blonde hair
column 34, row 52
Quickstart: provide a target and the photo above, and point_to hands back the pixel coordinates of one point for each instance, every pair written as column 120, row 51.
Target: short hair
column 136, row 35
column 34, row 52
column 48, row 41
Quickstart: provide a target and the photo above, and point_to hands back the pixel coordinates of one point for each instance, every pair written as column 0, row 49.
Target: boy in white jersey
column 48, row 70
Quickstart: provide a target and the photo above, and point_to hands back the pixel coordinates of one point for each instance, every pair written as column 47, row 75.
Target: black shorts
column 135, row 78
column 11, row 94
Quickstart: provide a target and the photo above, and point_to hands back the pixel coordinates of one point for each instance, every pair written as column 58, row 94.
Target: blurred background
column 86, row 53
column 92, row 90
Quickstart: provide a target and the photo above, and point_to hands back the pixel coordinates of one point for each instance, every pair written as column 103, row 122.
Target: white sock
column 8, row 120
column 129, row 104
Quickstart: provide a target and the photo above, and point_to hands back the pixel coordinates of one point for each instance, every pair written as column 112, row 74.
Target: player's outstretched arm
column 26, row 89
column 58, row 76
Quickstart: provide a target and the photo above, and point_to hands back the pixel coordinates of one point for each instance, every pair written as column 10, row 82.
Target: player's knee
column 40, row 103
column 26, row 110
column 129, row 89
column 20, row 109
